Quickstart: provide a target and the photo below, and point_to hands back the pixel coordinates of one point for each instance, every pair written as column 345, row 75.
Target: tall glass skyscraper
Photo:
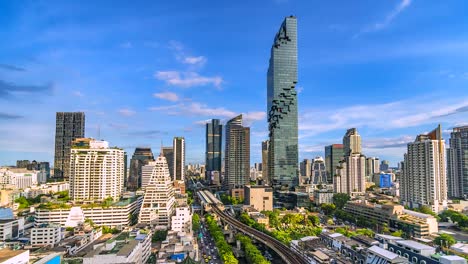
column 68, row 127
column 282, row 106
column 214, row 132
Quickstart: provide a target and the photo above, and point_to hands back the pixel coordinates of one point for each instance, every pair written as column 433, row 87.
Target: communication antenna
column 99, row 131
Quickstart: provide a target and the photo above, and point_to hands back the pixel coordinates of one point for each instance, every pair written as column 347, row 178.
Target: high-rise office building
column 282, row 106
column 333, row 155
column 265, row 176
column 237, row 154
column 68, row 127
column 372, row 168
column 179, row 159
column 424, row 181
column 96, row 170
column 142, row 156
column 352, row 142
column 384, row 165
column 305, row 167
column 213, row 156
column 168, row 153
column 318, row 174
column 159, row 202
column 457, row 163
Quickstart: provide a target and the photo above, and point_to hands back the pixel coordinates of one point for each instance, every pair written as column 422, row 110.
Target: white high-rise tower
column 424, row 179
column 96, row 170
column 159, row 202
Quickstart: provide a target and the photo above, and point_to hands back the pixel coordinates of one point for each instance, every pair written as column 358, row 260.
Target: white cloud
column 199, row 109
column 388, row 19
column 126, row 112
column 126, row 45
column 169, row 96
column 200, row 60
column 78, row 94
column 251, row 117
column 187, row 79
column 392, row 115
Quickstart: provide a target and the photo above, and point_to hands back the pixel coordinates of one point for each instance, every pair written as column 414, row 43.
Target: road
column 207, row 247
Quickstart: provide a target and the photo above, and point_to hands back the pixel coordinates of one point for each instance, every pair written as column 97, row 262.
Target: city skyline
column 183, row 79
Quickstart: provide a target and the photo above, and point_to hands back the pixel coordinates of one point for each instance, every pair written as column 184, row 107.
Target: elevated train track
column 286, row 253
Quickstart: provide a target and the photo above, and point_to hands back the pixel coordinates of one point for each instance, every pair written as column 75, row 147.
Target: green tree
column 252, row 253
column 340, row 199
column 315, row 220
column 398, row 233
column 328, row 209
column 445, row 240
column 23, row 202
column 159, row 235
column 195, row 222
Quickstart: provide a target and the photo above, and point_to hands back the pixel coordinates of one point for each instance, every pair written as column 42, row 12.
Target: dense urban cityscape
column 98, row 203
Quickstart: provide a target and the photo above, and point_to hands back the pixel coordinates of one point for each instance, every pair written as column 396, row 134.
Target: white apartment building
column 182, row 220
column 96, row 170
column 19, row 177
column 46, row 235
column 116, row 215
column 158, row 202
column 424, row 180
column 350, row 176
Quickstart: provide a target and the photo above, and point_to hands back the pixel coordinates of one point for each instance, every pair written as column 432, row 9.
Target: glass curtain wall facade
column 333, row 155
column 282, row 106
column 68, row 127
column 214, row 133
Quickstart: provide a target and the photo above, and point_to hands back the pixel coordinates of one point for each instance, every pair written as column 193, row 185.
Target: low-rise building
column 322, row 196
column 177, row 244
column 377, row 254
column 415, row 224
column 395, row 216
column 11, row 228
column 309, row 248
column 115, row 215
column 237, row 193
column 182, row 220
column 46, row 235
column 259, row 197
column 125, row 248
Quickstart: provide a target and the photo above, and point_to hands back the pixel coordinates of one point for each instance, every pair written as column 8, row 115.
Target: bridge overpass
column 217, row 207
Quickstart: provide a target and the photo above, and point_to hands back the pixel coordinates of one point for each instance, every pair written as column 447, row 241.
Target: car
column 214, row 257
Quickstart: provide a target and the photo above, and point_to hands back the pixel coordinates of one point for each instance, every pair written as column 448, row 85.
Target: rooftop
column 383, row 252
column 414, row 245
column 6, row 254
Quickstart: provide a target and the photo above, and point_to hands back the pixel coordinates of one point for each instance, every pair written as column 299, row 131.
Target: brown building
column 259, row 197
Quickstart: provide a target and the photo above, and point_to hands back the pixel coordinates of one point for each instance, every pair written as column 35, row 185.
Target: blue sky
column 145, row 71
